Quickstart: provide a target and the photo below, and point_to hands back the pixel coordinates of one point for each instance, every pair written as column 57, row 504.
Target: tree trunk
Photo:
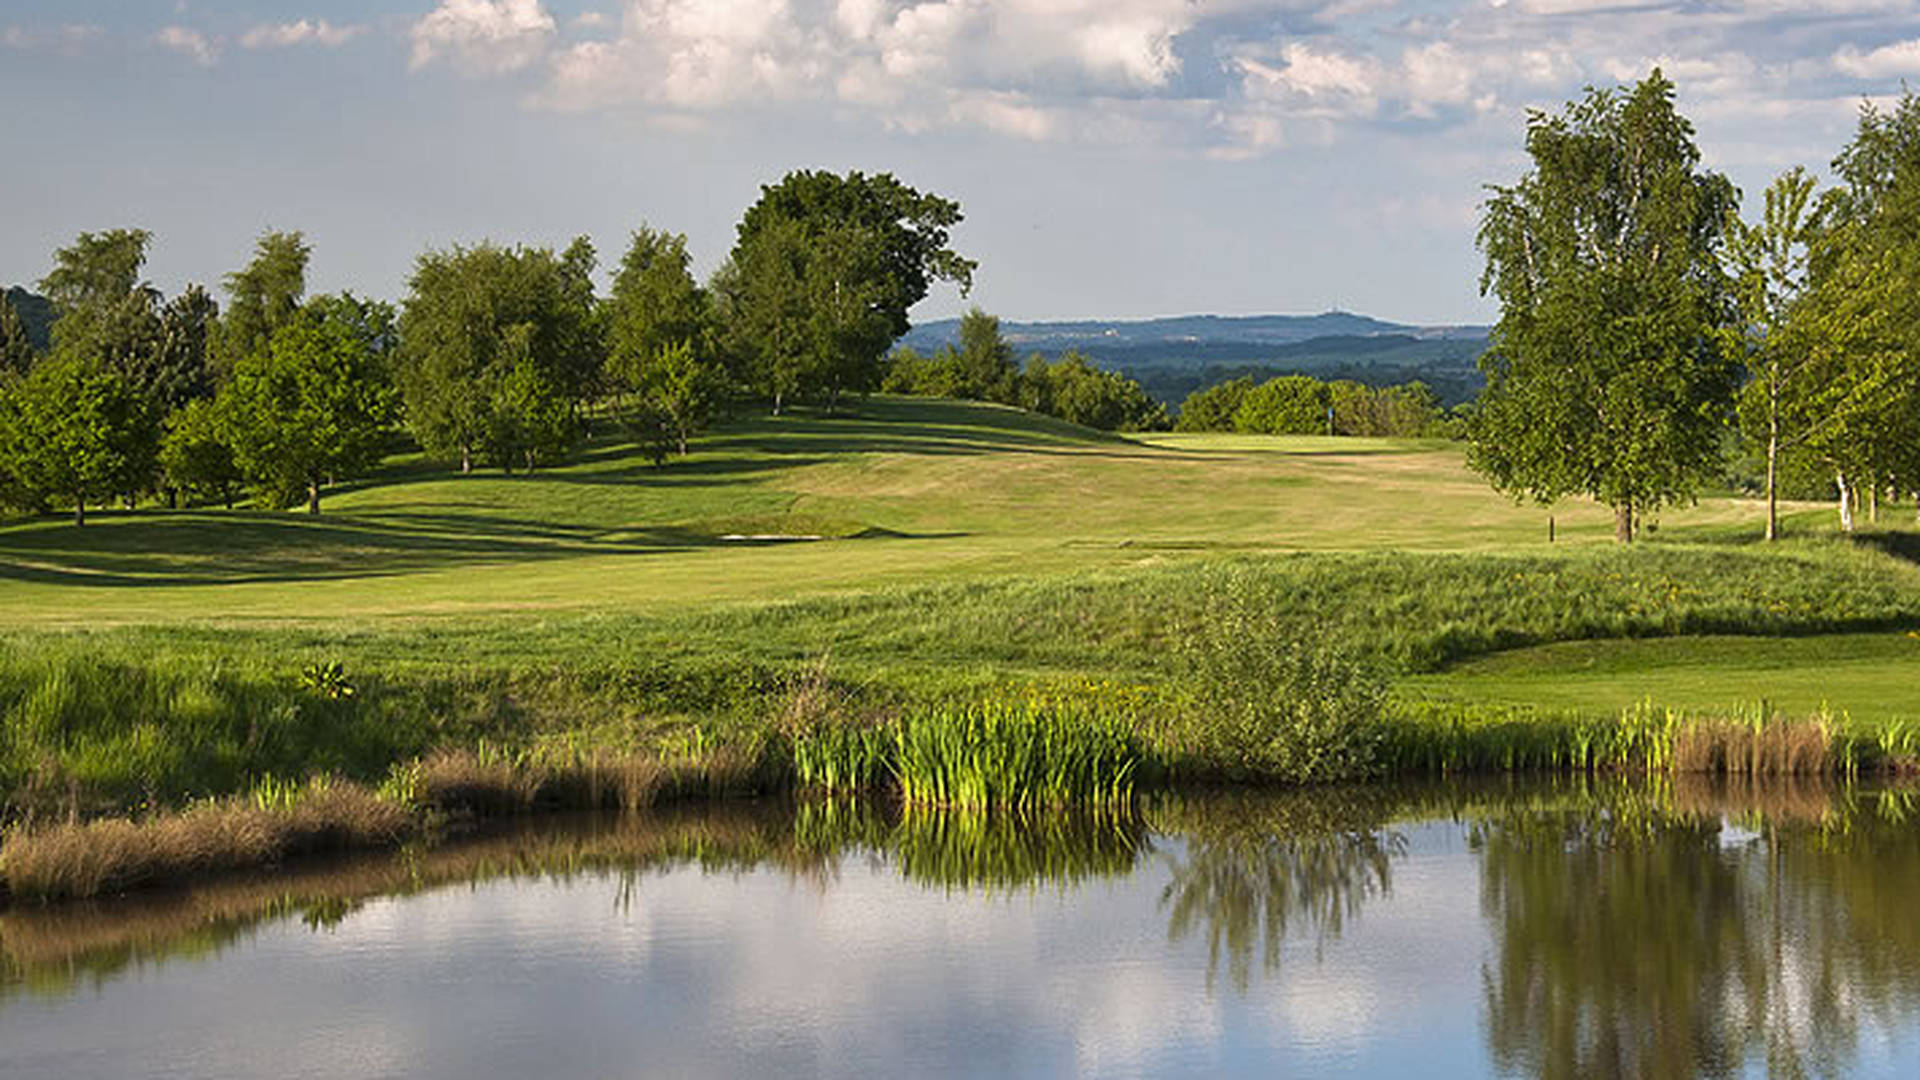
column 79, row 509
column 778, row 397
column 1773, row 490
column 313, row 496
column 1873, row 503
column 173, row 498
column 466, row 459
column 1846, row 502
column 1623, row 523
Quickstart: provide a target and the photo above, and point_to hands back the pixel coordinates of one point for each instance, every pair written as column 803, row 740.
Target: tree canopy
column 823, row 271
column 1607, row 374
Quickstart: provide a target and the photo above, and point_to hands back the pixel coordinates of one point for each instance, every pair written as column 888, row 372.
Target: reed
column 1754, row 742
column 1031, row 756
column 78, row 860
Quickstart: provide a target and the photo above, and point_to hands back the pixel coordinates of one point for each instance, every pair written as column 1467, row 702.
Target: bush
column 1259, row 703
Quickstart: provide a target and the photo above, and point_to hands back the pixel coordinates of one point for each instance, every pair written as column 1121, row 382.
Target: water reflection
column 1654, row 933
column 1254, row 868
column 1690, row 930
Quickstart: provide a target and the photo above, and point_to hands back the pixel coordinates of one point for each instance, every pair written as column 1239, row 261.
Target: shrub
column 1258, row 703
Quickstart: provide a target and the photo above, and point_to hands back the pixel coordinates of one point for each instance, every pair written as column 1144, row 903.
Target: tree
column 475, row 316
column 1606, row 374
column 196, row 456
column 984, row 361
column 1212, row 408
column 1074, row 390
column 16, row 348
column 823, row 271
column 308, row 409
column 1286, row 405
column 1768, row 264
column 262, row 297
column 531, row 417
column 1860, row 401
column 73, row 427
column 109, row 318
column 661, row 340
column 176, row 371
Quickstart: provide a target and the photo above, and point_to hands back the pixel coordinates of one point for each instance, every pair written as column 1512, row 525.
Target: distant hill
column 1190, row 330
column 36, row 312
column 1172, row 357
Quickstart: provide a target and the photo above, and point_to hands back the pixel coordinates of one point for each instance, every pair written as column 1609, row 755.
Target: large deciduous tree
column 1860, row 402
column 492, row 340
column 109, row 319
column 660, row 340
column 1607, row 374
column 823, row 271
column 262, row 297
column 310, row 408
column 75, row 430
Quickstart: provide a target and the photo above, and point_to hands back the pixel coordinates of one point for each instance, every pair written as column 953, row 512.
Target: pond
column 1556, row 930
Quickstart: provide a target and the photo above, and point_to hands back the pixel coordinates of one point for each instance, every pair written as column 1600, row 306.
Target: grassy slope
column 610, row 557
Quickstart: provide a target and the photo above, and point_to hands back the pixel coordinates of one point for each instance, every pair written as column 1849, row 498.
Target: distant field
column 608, row 553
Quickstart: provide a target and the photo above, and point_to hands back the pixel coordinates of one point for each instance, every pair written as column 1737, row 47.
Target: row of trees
column 496, row 356
column 982, row 368
column 1644, row 325
column 1304, row 405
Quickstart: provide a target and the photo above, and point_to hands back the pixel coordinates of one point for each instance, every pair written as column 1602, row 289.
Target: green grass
column 962, row 551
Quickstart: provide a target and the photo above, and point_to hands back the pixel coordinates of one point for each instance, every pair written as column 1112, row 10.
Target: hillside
column 36, row 312
column 1203, row 330
column 1173, row 357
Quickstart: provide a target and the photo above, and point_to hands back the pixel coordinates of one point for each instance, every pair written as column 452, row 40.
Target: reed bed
column 1760, row 742
column 1032, row 755
column 276, row 820
column 77, row 860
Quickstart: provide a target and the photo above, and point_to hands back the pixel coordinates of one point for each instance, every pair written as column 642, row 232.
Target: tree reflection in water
column 1252, row 868
column 1641, row 934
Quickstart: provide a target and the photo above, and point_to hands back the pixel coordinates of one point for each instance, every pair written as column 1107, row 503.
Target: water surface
column 1552, row 931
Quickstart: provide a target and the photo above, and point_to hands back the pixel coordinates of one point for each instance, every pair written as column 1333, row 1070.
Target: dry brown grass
column 1776, row 747
column 70, row 861
column 491, row 785
column 79, row 860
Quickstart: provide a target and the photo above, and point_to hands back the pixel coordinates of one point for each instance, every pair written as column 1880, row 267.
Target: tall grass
column 1759, row 742
column 1018, row 757
column 993, row 754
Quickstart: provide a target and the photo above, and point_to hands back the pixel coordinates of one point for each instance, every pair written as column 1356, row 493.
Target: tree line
column 1305, row 405
column 1648, row 332
column 982, row 368
column 496, row 357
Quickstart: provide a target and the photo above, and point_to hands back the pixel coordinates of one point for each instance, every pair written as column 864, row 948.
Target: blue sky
column 1115, row 158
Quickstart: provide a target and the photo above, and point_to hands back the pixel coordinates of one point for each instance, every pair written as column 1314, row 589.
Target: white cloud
column 190, row 43
column 1316, row 82
column 1004, row 114
column 69, row 39
column 1276, row 73
column 1886, row 62
column 484, row 35
column 299, row 32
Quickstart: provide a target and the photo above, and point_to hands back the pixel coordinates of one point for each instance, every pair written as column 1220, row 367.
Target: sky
column 1114, row 158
